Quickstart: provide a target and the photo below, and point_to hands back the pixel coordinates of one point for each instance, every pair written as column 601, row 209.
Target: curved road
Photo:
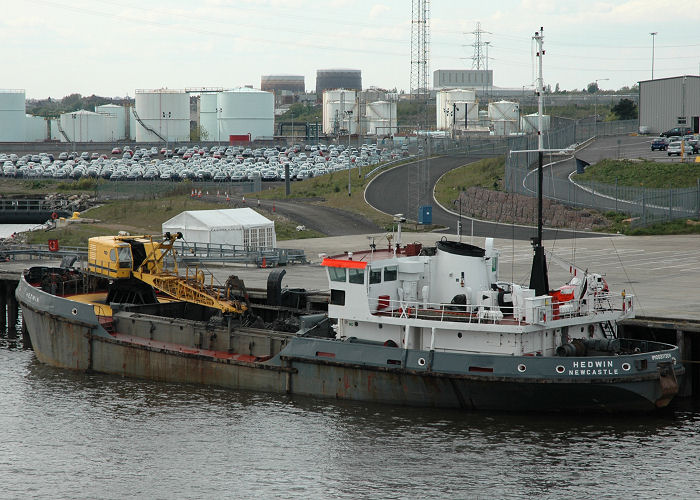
column 388, row 193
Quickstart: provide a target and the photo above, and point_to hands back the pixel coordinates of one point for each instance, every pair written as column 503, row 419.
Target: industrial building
column 667, row 103
column 276, row 83
column 330, row 79
column 86, row 126
column 462, row 78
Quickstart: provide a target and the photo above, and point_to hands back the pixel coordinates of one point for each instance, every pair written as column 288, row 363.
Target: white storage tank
column 208, row 116
column 504, row 127
column 12, row 116
column 504, row 110
column 381, row 118
column 336, row 104
column 35, row 129
column 162, row 114
column 246, row 111
column 119, row 113
column 455, row 101
column 530, row 123
column 86, row 126
column 132, row 124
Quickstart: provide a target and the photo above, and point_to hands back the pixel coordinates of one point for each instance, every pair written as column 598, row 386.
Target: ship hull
column 67, row 334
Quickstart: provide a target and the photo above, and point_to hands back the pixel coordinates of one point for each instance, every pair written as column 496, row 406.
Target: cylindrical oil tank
column 132, row 124
column 247, row 111
column 530, row 123
column 504, row 127
column 12, row 116
column 381, row 117
column 165, row 112
column 339, row 111
column 338, row 79
column 119, row 122
column 448, row 102
column 504, row 110
column 35, row 129
column 208, row 116
column 86, row 126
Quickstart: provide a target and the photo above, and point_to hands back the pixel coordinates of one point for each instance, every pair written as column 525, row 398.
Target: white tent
column 233, row 226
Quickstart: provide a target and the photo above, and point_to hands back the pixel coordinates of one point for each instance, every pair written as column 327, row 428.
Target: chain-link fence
column 644, row 205
column 139, row 190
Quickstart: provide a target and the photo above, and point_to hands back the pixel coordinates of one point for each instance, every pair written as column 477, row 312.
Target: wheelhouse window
column 390, row 273
column 337, row 274
column 356, row 276
column 124, row 257
column 338, row 297
column 375, row 276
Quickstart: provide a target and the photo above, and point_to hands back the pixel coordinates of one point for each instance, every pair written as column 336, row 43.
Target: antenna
column 420, row 47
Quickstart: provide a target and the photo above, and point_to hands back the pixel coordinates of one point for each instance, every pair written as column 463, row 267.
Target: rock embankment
column 512, row 208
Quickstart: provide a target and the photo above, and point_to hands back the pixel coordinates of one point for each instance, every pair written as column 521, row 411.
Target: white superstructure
column 164, row 114
column 246, row 111
column 12, row 115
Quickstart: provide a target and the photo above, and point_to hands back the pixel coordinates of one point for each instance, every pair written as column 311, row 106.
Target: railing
column 213, row 252
column 529, row 313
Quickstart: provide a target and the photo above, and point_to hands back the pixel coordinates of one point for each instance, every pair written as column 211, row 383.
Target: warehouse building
column 462, row 78
column 276, row 83
column 667, row 103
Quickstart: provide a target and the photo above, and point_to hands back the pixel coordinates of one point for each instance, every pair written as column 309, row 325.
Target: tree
column 626, row 109
column 592, row 87
column 556, row 88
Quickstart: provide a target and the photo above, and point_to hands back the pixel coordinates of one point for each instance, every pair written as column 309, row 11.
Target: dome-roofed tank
column 208, row 116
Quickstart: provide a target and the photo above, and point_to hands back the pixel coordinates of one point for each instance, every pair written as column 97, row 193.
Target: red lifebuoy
column 53, row 245
column 54, row 216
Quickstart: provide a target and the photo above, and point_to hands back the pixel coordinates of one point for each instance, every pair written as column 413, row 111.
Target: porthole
column 421, row 361
column 74, row 311
column 459, row 335
column 560, row 369
column 626, row 366
column 522, row 368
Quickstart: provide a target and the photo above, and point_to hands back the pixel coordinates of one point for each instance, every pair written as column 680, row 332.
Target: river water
column 77, row 435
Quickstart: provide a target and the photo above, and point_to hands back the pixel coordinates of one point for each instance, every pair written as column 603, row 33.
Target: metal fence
column 644, row 205
column 146, row 190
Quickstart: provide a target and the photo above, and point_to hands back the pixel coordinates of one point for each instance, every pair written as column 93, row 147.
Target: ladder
column 138, row 119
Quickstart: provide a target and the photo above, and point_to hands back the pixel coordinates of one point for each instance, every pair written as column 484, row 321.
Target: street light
column 595, row 106
column 349, row 115
column 653, row 38
column 218, row 125
column 166, row 116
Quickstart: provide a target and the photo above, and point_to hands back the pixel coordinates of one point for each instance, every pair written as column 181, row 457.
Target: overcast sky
column 112, row 47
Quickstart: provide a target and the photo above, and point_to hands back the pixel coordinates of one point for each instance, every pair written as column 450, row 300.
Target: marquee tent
column 232, row 226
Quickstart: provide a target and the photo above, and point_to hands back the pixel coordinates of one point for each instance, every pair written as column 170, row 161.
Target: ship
column 409, row 325
column 415, row 325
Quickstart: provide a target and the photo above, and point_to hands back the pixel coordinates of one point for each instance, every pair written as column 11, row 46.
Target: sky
column 52, row 48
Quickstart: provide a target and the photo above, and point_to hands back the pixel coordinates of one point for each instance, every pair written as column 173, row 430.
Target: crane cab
column 117, row 257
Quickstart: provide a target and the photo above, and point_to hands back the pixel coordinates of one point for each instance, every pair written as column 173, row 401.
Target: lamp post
column 653, row 38
column 595, row 105
column 219, row 110
column 349, row 115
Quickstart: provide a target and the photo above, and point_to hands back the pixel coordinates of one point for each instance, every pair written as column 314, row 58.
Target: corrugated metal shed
column 666, row 103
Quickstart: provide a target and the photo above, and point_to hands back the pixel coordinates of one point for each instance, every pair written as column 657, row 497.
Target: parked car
column 659, row 143
column 674, row 148
column 679, row 131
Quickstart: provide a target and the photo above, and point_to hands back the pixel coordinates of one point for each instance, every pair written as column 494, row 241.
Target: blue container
column 425, row 214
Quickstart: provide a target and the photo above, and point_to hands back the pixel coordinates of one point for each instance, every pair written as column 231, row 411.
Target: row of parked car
column 677, row 145
column 223, row 164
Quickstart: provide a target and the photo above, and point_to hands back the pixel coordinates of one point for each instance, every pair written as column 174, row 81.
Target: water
column 76, row 435
column 6, row 230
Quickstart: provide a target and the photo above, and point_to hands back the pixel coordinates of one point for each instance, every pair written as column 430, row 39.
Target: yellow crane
column 142, row 258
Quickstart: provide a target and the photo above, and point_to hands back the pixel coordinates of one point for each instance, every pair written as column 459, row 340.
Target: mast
column 539, row 280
